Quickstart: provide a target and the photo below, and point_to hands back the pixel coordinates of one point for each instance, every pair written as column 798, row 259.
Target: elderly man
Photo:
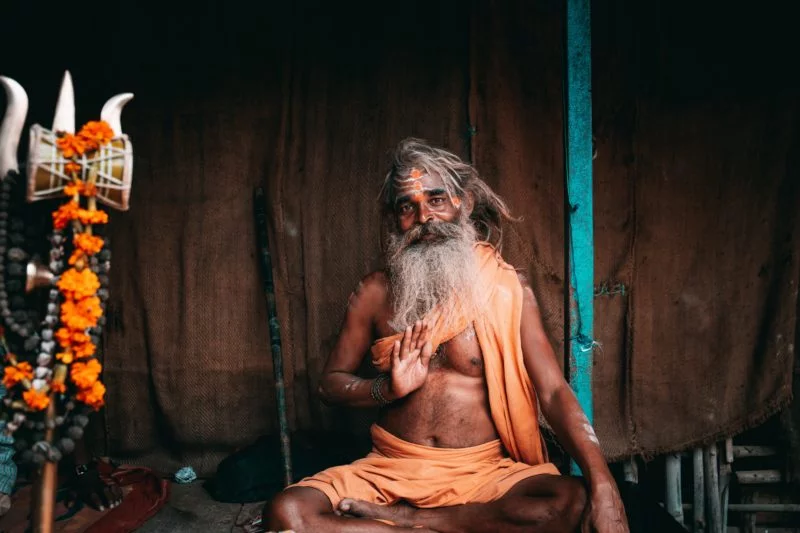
column 458, row 339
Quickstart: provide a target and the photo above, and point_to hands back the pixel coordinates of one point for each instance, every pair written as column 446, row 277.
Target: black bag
column 255, row 473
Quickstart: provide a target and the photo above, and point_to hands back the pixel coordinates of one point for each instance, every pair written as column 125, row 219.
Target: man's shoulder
column 372, row 292
column 377, row 281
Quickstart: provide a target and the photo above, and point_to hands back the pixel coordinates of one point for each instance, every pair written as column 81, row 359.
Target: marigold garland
column 36, row 400
column 78, row 285
column 16, row 373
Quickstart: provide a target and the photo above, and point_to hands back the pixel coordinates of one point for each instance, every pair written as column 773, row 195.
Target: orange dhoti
column 424, row 476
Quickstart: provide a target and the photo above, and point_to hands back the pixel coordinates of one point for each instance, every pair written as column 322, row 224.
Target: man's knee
column 296, row 508
column 285, row 511
column 571, row 501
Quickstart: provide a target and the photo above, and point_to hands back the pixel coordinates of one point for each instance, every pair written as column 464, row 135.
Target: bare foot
column 400, row 514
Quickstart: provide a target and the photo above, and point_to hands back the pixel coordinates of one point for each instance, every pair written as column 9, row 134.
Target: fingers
column 426, row 354
column 415, row 334
column 395, row 354
column 404, row 345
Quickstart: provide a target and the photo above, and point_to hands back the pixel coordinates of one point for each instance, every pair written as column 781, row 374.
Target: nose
column 423, row 214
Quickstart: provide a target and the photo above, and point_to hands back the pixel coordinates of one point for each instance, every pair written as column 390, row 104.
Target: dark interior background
column 696, row 195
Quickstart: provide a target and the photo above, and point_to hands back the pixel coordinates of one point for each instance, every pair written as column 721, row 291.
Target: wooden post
column 259, row 205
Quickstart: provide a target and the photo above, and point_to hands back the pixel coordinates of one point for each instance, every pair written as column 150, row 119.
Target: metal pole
column 631, row 471
column 674, row 499
column 579, row 247
column 725, row 481
column 699, row 510
column 260, row 210
column 712, row 489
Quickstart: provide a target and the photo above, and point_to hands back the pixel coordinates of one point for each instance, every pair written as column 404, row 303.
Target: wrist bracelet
column 377, row 395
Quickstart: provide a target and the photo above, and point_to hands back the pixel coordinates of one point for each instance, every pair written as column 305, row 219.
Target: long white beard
column 441, row 273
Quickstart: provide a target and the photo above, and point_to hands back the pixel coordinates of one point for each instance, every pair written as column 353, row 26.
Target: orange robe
column 436, row 477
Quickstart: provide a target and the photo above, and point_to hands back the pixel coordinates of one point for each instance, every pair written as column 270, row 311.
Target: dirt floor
column 190, row 510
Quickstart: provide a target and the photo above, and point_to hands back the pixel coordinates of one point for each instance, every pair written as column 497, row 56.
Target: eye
column 404, row 209
column 437, row 200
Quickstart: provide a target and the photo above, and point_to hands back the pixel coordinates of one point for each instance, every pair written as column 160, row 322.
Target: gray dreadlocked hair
column 489, row 211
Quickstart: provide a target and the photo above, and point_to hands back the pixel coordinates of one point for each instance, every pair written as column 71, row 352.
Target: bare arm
column 562, row 411
column 339, row 384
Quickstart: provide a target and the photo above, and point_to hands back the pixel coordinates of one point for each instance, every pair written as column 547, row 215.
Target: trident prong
column 64, row 117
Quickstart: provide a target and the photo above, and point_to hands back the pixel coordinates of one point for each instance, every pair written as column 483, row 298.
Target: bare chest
column 461, row 354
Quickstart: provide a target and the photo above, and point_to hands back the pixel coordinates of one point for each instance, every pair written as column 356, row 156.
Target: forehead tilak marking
column 412, row 186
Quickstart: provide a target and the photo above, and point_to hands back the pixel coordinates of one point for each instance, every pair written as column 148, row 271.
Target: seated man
column 463, row 356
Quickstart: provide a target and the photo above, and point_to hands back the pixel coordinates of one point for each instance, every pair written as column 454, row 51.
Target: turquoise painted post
column 578, row 169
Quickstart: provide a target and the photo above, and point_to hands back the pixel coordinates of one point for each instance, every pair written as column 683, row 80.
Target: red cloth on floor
column 148, row 493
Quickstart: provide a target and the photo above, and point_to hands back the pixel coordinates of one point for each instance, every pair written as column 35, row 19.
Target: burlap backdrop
column 696, row 192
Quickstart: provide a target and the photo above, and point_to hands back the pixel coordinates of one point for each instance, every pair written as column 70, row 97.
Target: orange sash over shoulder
column 511, row 396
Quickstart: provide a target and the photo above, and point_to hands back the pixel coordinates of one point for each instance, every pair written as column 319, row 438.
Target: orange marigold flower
column 71, row 168
column 74, row 187
column 15, row 373
column 64, row 337
column 71, row 145
column 90, row 244
column 83, row 350
column 85, row 374
column 58, row 387
column 89, row 189
column 93, row 397
column 92, row 217
column 88, row 307
column 81, row 314
column 65, row 214
column 75, row 285
column 36, row 400
column 96, row 133
column 76, row 256
column 80, row 337
column 65, row 357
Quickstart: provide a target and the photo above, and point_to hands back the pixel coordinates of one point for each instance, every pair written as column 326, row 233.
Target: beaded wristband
column 377, row 395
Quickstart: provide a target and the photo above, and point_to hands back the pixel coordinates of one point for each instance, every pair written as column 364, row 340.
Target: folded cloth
column 424, row 476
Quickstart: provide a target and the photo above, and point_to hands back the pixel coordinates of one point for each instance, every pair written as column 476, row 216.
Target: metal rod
column 673, row 497
column 579, row 248
column 754, row 451
column 631, row 471
column 712, row 489
column 758, row 507
column 45, row 489
column 725, row 481
column 758, row 476
column 260, row 211
column 699, row 522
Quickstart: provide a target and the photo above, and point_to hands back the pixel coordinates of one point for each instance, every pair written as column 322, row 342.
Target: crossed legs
column 539, row 504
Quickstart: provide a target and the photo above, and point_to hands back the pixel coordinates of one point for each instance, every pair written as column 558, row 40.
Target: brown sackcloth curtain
column 696, row 195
